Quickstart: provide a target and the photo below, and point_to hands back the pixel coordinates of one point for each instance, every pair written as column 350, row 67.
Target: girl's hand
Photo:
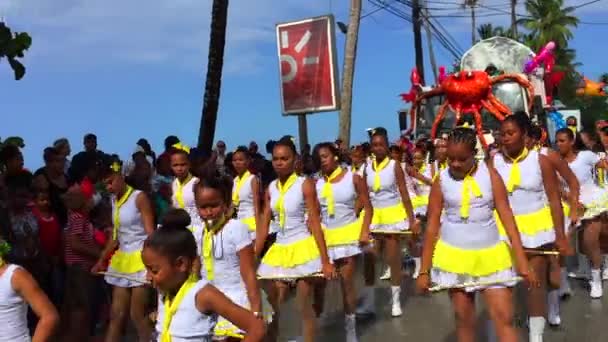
column 98, row 267
column 329, row 271
column 423, row 283
column 415, row 226
column 528, row 274
column 563, row 246
column 365, row 238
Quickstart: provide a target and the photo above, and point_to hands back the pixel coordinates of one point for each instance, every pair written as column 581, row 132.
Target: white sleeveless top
column 479, row 230
column 583, row 167
column 246, row 208
column 188, row 324
column 13, row 310
column 388, row 194
column 295, row 227
column 188, row 194
column 131, row 232
column 529, row 196
column 345, row 195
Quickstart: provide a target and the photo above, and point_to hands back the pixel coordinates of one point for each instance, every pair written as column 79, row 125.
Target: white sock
column 396, row 293
column 553, row 305
column 350, row 325
column 596, row 275
column 417, row 266
column 537, row 328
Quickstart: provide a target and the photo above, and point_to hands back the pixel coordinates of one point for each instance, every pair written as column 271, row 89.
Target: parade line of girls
column 224, row 258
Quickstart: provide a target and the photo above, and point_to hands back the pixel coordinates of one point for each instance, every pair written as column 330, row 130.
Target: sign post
column 308, row 69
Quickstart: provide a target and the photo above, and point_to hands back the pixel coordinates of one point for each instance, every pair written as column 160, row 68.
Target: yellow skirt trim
column 345, row 235
column 476, row 263
column 530, row 224
column 293, row 254
column 250, row 222
column 420, row 201
column 127, row 262
column 389, row 215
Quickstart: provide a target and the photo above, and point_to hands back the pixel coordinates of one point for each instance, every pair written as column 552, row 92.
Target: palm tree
column 549, row 20
column 488, row 30
column 472, row 4
column 350, row 55
column 13, row 47
column 215, row 63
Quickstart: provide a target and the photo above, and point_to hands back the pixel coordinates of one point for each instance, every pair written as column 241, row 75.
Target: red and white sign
column 308, row 67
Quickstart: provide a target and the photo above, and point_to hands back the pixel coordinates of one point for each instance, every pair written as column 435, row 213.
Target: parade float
column 495, row 78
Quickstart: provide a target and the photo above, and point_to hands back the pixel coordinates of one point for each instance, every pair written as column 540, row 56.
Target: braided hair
column 463, row 135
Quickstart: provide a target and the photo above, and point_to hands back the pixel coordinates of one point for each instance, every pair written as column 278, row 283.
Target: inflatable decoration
column 411, row 95
column 591, row 88
column 558, row 120
column 470, row 92
column 545, row 57
column 442, row 74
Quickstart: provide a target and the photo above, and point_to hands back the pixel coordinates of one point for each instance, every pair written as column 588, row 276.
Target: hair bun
column 176, row 219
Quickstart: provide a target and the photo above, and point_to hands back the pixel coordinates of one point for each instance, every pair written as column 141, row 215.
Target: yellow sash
column 172, row 305
column 515, row 174
column 421, row 171
column 208, row 234
column 240, row 181
column 119, row 204
column 283, row 188
column 328, row 193
column 377, row 168
column 179, row 194
column 469, row 185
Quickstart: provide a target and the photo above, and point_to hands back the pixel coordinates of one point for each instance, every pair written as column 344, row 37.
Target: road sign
column 307, row 66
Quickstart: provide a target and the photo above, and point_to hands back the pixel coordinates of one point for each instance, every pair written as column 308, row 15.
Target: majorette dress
column 221, row 266
column 566, row 207
column 130, row 235
column 469, row 249
column 389, row 212
column 188, row 324
column 183, row 197
column 527, row 198
column 295, row 253
column 342, row 228
column 593, row 197
column 242, row 197
column 419, row 191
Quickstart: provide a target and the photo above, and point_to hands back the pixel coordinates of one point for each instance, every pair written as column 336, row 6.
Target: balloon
column 590, row 88
column 558, row 120
column 545, row 55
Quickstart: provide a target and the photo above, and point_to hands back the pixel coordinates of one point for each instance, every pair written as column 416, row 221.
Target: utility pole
column 348, row 71
column 429, row 40
column 416, row 21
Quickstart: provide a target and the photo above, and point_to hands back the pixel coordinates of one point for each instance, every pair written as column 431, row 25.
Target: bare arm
column 247, row 265
column 551, row 185
column 261, row 233
column 405, row 197
column 147, row 213
column 314, row 215
column 25, row 285
column 257, row 211
column 561, row 166
column 210, row 299
column 364, row 201
column 433, row 226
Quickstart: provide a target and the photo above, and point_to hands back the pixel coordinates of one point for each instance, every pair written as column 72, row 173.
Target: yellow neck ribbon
column 240, row 181
column 119, row 204
column 208, row 246
column 469, row 185
column 515, row 174
column 421, row 171
column 172, row 305
column 440, row 166
column 328, row 193
column 283, row 188
column 377, row 168
column 179, row 193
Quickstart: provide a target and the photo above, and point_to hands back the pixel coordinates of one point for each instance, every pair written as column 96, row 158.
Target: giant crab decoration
column 470, row 92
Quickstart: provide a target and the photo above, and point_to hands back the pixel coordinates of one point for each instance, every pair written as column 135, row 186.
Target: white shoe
column 564, row 288
column 537, row 328
column 553, row 308
column 416, row 268
column 296, row 339
column 386, row 275
column 605, row 273
column 350, row 326
column 367, row 303
column 596, row 284
column 396, row 301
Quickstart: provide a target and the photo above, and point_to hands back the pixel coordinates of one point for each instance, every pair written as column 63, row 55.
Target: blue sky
column 131, row 69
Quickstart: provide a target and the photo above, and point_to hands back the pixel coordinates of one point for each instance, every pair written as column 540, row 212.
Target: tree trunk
column 513, row 19
column 416, row 21
column 473, row 25
column 429, row 39
column 348, row 71
column 215, row 63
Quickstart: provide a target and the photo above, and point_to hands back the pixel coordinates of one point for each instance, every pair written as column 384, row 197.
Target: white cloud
column 89, row 33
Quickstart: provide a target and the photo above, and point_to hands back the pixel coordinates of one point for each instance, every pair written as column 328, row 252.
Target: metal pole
column 302, row 130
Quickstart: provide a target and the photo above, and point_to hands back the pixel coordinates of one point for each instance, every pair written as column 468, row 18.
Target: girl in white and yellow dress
column 533, row 193
column 593, row 198
column 188, row 307
column 133, row 221
column 338, row 191
column 422, row 176
column 226, row 253
column 245, row 191
column 182, row 187
column 300, row 252
column 393, row 211
column 462, row 244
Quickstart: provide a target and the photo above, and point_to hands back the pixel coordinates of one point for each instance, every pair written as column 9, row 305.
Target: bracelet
column 258, row 314
column 421, row 273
